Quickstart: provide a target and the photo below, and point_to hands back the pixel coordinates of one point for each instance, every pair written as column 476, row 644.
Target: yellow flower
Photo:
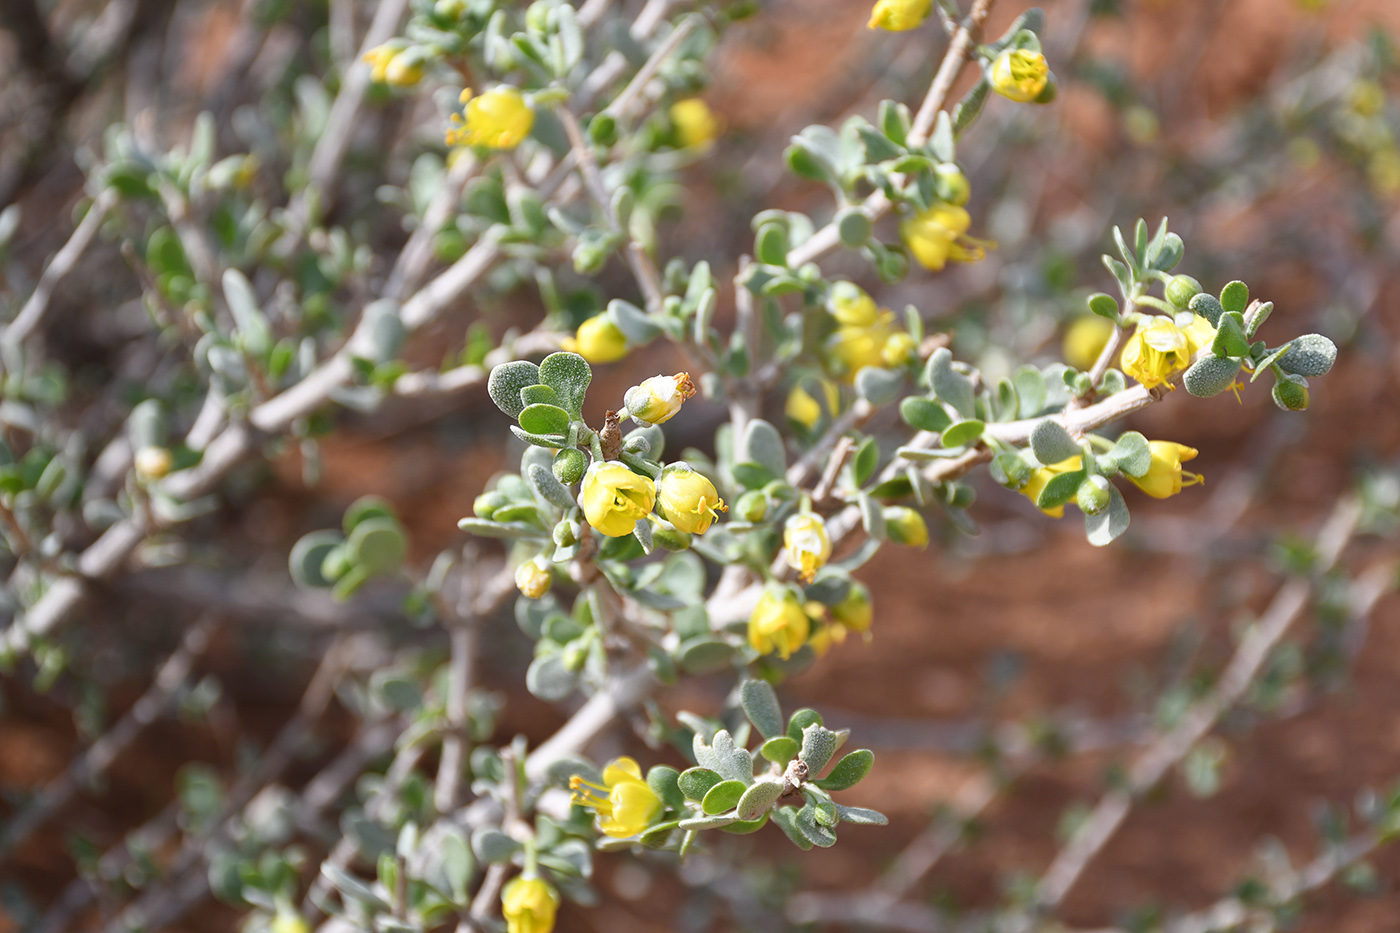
column 405, row 69
column 806, row 410
column 779, row 623
column 288, row 920
column 1199, row 334
column 806, row 542
column 1043, row 475
column 625, row 804
column 695, row 124
column 852, row 307
column 867, row 335
column 598, row 340
column 1156, row 351
column 658, row 398
column 906, row 526
column 1085, row 340
column 899, row 15
column 614, row 498
column 379, row 58
column 532, row 578
column 937, row 235
column 1165, row 477
column 529, row 905
column 855, row 612
column 851, row 349
column 1020, row 74
column 687, row 499
column 498, row 119
column 899, row 349
column 824, row 636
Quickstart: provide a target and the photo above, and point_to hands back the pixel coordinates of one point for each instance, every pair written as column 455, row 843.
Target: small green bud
column 1180, row 290
column 853, row 227
column 488, row 502
column 569, row 465
column 1092, row 497
column 576, row 654
column 905, row 526
column 603, row 129
column 752, row 506
column 951, row 184
column 566, row 533
column 1291, row 393
column 959, row 495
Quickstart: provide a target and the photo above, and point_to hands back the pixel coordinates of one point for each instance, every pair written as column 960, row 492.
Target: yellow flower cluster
column 624, row 802
column 938, row 234
column 500, row 118
column 866, row 335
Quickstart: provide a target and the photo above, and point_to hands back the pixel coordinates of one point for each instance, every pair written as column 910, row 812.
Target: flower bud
column 598, row 340
column 899, row 349
column 1291, row 393
column 153, row 463
column 532, row 578
column 807, row 544
column 899, row 15
column 658, row 399
column 687, row 499
column 501, row 118
column 488, row 502
column 905, row 526
column 696, row 125
column 529, row 905
column 1164, row 475
column 287, row 920
column 752, row 506
column 937, row 235
column 614, row 498
column 1020, row 75
column 855, row 611
column 566, row 532
column 1093, row 495
column 779, row 623
column 406, row 68
column 569, row 465
column 1180, row 290
column 1085, row 340
column 951, row 185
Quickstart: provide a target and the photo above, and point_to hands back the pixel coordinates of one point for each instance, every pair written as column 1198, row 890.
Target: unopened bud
column 569, row 465
column 752, row 506
column 1093, row 495
column 488, row 502
column 1291, row 393
column 1180, row 290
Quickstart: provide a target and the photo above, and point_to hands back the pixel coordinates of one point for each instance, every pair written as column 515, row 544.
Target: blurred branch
column 62, row 263
column 1149, row 769
column 171, row 677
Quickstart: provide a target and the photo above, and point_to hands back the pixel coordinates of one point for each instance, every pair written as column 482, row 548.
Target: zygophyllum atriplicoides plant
column 636, row 567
